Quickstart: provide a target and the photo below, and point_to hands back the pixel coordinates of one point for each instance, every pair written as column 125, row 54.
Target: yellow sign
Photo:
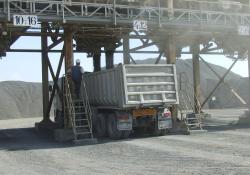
column 144, row 112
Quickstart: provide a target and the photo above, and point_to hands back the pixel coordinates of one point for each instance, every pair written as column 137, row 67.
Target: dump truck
column 131, row 98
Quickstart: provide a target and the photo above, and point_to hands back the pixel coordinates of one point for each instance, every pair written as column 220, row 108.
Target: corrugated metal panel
column 105, row 88
column 131, row 85
column 150, row 84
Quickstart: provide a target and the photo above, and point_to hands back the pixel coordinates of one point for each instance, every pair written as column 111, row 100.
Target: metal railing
column 85, row 100
column 69, row 105
column 83, row 12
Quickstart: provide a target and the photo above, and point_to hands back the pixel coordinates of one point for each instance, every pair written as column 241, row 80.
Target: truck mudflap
column 165, row 119
column 165, row 123
column 124, row 121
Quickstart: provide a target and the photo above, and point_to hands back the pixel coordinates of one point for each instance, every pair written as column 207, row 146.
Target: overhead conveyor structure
column 101, row 26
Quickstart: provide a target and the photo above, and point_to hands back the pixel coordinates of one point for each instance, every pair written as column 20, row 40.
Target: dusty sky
column 27, row 66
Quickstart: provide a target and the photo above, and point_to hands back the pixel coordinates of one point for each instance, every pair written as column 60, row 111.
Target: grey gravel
column 223, row 149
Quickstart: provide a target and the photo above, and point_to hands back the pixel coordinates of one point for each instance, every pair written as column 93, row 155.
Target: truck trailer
column 130, row 98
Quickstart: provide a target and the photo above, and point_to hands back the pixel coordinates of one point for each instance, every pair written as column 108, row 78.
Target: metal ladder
column 79, row 112
column 192, row 120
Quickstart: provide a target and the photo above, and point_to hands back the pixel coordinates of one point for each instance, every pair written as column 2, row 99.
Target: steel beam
column 68, row 50
column 102, row 51
column 171, row 50
column 55, row 80
column 249, row 79
column 97, row 62
column 171, row 8
column 97, row 13
column 126, row 49
column 171, row 59
column 59, row 51
column 220, row 81
column 228, row 85
column 109, row 59
column 196, row 77
column 68, row 61
column 45, row 77
column 54, row 44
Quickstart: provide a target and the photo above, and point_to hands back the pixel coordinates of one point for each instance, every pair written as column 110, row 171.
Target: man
column 76, row 74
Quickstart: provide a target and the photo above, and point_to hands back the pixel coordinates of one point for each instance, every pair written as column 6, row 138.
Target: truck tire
column 157, row 132
column 141, row 130
column 125, row 134
column 112, row 130
column 100, row 126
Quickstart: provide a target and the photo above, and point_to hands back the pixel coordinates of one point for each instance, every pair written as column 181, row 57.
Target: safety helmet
column 78, row 61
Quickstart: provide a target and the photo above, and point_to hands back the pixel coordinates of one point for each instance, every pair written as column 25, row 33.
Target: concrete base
column 63, row 135
column 85, row 141
column 200, row 131
column 244, row 119
column 180, row 127
column 45, row 126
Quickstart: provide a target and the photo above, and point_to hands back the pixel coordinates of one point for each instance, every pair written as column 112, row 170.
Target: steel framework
column 93, row 25
column 100, row 13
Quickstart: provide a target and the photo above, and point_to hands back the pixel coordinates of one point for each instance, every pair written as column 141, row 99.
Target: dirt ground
column 223, row 149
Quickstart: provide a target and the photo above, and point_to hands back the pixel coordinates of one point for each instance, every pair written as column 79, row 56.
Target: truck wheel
column 125, row 134
column 100, row 126
column 112, row 130
column 141, row 131
column 158, row 132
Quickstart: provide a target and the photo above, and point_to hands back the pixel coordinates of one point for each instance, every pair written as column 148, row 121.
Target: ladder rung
column 79, row 113
column 85, row 126
column 191, row 118
column 193, row 124
column 81, row 119
column 79, row 107
column 81, row 133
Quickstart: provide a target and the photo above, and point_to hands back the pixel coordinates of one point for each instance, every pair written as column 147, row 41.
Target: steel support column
column 45, row 76
column 171, row 59
column 171, row 50
column 249, row 79
column 109, row 59
column 126, row 54
column 171, row 8
column 68, row 50
column 69, row 62
column 97, row 62
column 196, row 77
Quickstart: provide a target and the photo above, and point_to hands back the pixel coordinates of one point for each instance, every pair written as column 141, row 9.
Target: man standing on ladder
column 76, row 74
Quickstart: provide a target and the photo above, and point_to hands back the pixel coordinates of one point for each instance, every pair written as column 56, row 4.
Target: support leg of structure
column 171, row 8
column 97, row 62
column 196, row 77
column 109, row 59
column 68, row 52
column 171, row 59
column 69, row 62
column 249, row 79
column 245, row 118
column 46, row 123
column 126, row 56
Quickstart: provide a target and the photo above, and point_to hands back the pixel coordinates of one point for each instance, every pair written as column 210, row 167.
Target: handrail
column 69, row 104
column 85, row 99
column 100, row 12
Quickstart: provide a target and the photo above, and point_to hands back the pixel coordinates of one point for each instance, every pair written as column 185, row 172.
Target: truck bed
column 128, row 86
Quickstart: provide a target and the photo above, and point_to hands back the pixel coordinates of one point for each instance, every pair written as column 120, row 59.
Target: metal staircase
column 192, row 120
column 79, row 112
